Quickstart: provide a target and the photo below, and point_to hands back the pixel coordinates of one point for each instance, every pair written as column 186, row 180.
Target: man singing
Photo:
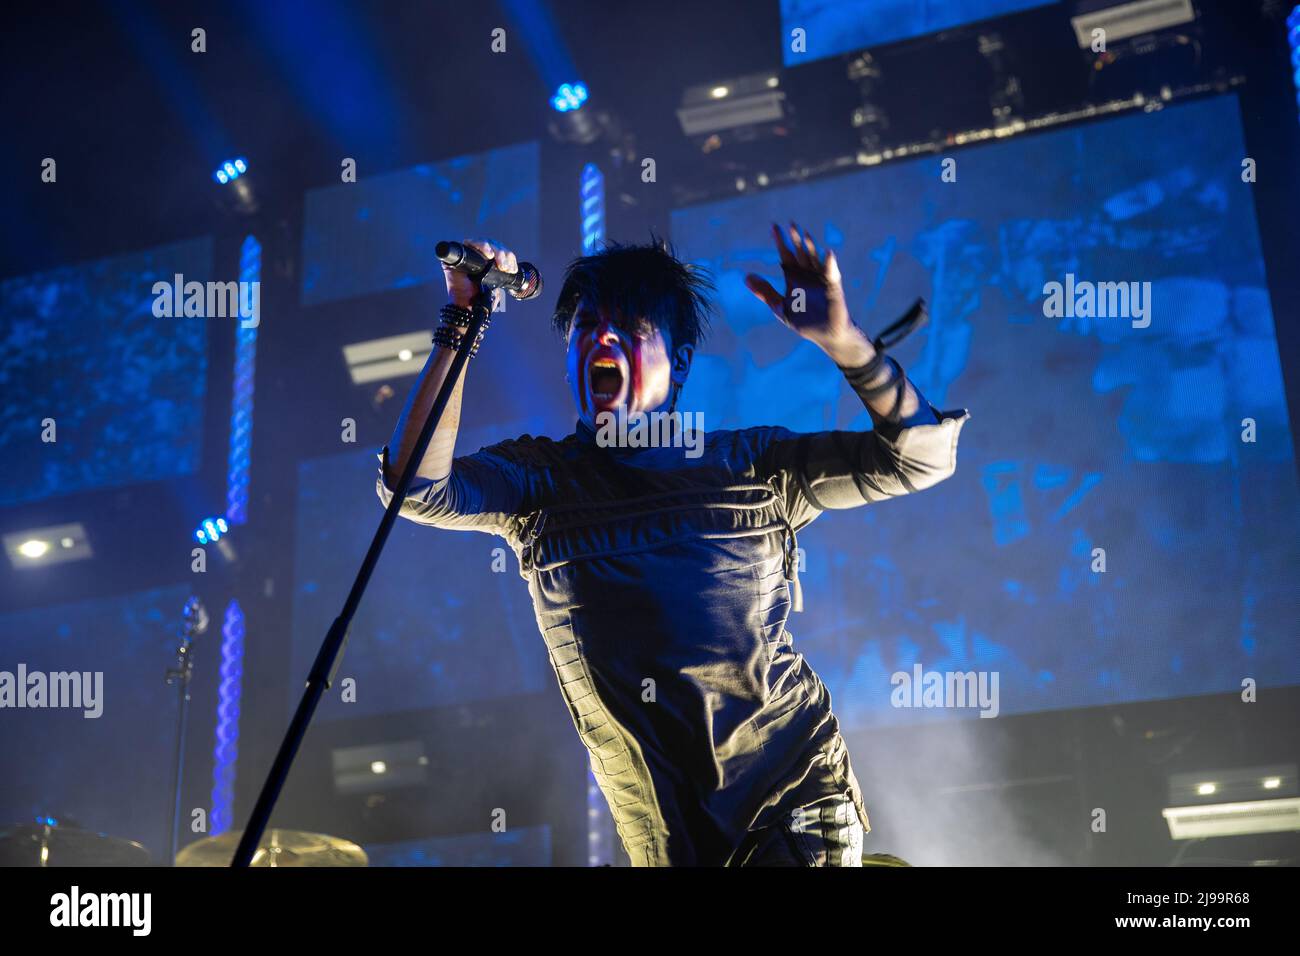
column 662, row 582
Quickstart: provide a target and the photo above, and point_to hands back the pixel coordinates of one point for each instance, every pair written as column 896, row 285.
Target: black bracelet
column 478, row 339
column 451, row 337
column 447, row 336
column 454, row 314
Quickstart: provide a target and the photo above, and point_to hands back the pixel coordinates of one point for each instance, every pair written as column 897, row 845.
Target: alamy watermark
column 1098, row 300
column 946, row 689
column 209, row 300
column 82, row 690
column 74, row 908
column 624, row 429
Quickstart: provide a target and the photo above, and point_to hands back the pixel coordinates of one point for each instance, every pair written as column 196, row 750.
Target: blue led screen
column 1086, row 433
column 840, row 26
column 80, row 345
column 380, row 232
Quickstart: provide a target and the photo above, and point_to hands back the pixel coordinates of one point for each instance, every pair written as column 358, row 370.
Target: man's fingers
column 769, row 296
column 833, row 268
column 787, row 257
column 813, row 256
column 483, row 246
column 800, row 253
column 506, row 262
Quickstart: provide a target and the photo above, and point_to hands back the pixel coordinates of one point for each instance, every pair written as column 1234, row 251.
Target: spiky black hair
column 640, row 282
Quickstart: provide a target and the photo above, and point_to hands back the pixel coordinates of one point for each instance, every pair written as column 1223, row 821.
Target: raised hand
column 813, row 304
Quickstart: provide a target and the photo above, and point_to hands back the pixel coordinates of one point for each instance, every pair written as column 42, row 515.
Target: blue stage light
column 229, row 692
column 592, row 211
column 241, row 407
column 570, row 96
column 230, row 170
column 211, row 530
column 1293, row 38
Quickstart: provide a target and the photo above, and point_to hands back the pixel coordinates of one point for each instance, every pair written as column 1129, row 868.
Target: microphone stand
column 323, row 671
column 196, row 622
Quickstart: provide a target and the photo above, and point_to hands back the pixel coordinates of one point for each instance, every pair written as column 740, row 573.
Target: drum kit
column 47, row 843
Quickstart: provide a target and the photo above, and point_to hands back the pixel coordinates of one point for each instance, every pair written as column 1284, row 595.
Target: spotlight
column 377, row 768
column 570, row 122
column 1123, row 20
column 742, row 109
column 41, row 547
column 33, row 548
column 211, row 530
column 230, row 170
column 1230, row 802
column 240, row 197
column 387, row 358
column 570, row 96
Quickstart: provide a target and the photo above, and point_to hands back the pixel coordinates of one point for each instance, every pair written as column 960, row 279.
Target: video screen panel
column 380, row 232
column 80, row 345
column 1087, row 434
column 832, row 27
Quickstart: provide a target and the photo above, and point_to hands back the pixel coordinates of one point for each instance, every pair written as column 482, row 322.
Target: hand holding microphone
column 476, row 263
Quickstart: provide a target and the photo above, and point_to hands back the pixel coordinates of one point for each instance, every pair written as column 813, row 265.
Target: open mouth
column 606, row 379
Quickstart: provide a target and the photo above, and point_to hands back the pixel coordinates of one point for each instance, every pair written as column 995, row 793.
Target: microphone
column 524, row 284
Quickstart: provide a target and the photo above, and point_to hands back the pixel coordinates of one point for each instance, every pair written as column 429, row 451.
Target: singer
column 662, row 583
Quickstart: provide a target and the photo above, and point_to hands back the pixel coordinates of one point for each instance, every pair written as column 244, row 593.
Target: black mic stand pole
column 196, row 622
column 330, row 655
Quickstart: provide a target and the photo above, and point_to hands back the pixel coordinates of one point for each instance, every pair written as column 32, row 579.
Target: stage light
column 743, row 109
column 240, row 198
column 34, row 548
column 1293, row 38
column 1233, row 803
column 591, row 190
column 379, row 768
column 229, row 691
column 1122, row 20
column 238, row 460
column 211, row 530
column 570, row 96
column 230, row 170
column 387, row 358
column 41, row 547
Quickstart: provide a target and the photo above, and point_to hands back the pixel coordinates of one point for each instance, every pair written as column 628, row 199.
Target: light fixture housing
column 42, row 547
column 380, row 359
column 1233, row 802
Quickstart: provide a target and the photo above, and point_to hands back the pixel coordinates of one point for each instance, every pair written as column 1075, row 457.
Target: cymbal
column 40, row 844
column 278, row 848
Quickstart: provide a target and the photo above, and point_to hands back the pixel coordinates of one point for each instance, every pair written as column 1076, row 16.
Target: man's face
column 613, row 362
